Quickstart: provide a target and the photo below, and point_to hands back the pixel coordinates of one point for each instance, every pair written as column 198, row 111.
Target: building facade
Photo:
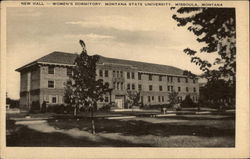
column 45, row 78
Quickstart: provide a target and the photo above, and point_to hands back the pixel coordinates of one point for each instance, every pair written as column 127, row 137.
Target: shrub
column 187, row 102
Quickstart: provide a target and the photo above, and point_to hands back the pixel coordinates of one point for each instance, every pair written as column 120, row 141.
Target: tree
column 214, row 27
column 173, row 98
column 84, row 90
column 133, row 98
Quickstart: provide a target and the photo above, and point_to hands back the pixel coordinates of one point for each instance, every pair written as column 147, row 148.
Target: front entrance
column 119, row 100
column 119, row 103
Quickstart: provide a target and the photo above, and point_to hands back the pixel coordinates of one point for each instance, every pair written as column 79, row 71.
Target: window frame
column 49, row 70
column 49, row 83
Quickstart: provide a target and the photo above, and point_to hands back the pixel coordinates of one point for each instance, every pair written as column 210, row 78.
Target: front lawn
column 136, row 132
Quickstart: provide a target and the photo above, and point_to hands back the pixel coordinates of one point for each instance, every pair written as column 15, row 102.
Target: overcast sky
column 141, row 34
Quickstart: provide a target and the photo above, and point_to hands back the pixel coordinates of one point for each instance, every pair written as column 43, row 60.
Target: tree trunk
column 75, row 111
column 92, row 120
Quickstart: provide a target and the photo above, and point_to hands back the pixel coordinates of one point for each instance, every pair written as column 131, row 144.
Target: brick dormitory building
column 44, row 80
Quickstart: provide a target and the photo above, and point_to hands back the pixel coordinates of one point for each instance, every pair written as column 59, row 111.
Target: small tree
column 173, row 98
column 133, row 98
column 84, row 90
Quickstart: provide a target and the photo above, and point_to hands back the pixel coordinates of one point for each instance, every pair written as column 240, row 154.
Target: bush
column 188, row 102
column 58, row 109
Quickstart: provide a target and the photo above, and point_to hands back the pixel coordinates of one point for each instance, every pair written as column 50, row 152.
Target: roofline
column 35, row 62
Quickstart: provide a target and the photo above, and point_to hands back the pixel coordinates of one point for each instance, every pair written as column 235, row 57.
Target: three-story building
column 45, row 78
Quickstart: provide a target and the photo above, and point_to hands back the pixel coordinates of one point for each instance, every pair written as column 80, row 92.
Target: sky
column 140, row 34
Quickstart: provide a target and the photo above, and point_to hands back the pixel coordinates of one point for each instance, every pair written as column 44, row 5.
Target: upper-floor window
column 179, row 79
column 51, row 84
column 117, row 73
column 118, row 85
column 139, row 87
column 187, row 89
column 121, row 73
column 133, row 86
column 128, row 75
column 139, row 76
column 51, row 70
column 170, row 79
column 150, row 77
column 179, row 89
column 160, row 88
column 160, row 78
column 121, row 85
column 193, row 80
column 100, row 73
column 133, row 75
column 194, row 89
column 113, row 73
column 153, row 98
column 128, row 86
column 162, row 98
column 150, row 87
column 186, row 80
column 159, row 98
column 106, row 73
column 69, row 71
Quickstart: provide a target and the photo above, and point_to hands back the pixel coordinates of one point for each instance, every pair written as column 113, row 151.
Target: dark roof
column 68, row 59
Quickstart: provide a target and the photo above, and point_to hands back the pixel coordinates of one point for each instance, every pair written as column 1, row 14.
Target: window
column 128, row 75
column 194, row 89
column 153, row 98
column 179, row 89
column 121, row 73
column 128, row 86
column 139, row 76
column 162, row 98
column 150, row 87
column 51, row 70
column 172, row 88
column 159, row 98
column 69, row 71
column 133, row 86
column 150, row 77
column 160, row 78
column 186, row 80
column 106, row 99
column 106, row 73
column 149, row 99
column 160, row 88
column 53, row 99
column 51, row 84
column 193, row 80
column 168, row 88
column 170, row 79
column 179, row 79
column 117, row 73
column 118, row 84
column 133, row 75
column 139, row 87
column 187, row 89
column 100, row 73
column 121, row 85
column 113, row 73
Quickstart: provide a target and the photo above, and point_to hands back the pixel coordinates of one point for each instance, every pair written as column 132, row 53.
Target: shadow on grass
column 138, row 128
column 31, row 138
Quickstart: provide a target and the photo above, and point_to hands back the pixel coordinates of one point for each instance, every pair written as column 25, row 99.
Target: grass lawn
column 136, row 132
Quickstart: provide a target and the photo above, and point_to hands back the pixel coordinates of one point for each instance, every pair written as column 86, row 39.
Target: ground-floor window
column 53, row 100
